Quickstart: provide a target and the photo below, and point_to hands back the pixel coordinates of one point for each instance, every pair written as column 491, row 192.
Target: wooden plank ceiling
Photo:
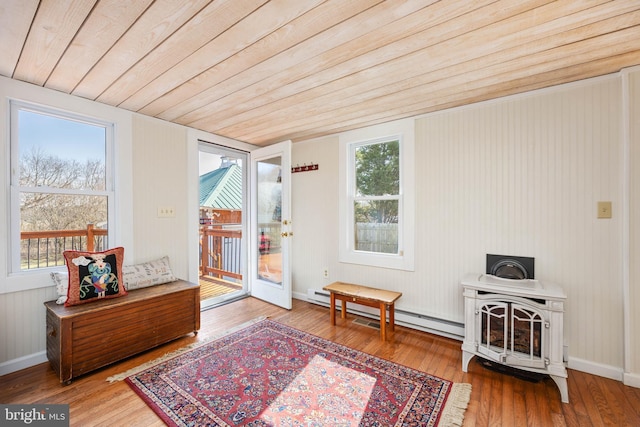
column 264, row 71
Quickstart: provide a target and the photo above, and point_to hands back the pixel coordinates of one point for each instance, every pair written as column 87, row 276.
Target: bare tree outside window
column 61, row 186
column 52, row 211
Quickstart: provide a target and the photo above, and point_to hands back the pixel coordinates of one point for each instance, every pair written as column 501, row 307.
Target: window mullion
column 69, row 191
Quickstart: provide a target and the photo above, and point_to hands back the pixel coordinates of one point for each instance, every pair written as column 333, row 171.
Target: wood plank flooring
column 496, row 399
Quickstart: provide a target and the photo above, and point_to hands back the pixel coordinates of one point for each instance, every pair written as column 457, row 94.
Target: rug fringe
column 172, row 354
column 453, row 412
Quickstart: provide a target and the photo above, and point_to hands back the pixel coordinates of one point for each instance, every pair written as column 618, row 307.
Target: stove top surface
column 526, row 287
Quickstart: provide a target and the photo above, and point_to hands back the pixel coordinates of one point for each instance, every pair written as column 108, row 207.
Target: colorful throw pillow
column 150, row 273
column 94, row 275
column 61, row 280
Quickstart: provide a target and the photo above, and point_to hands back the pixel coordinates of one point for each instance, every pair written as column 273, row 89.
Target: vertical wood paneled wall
column 520, row 176
column 22, row 323
column 523, row 176
column 160, row 177
column 633, row 294
column 22, row 314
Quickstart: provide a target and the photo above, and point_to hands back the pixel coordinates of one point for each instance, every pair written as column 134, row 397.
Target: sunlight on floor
column 324, row 393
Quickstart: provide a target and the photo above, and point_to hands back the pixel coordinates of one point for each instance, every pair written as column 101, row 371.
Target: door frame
column 222, row 150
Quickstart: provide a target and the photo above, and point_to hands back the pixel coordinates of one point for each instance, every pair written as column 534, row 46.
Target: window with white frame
column 61, row 185
column 377, row 208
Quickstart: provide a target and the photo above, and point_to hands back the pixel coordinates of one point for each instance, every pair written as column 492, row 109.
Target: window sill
column 394, row 262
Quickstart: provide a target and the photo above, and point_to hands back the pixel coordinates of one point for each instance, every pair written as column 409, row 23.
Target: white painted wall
column 632, row 285
column 521, row 176
column 159, row 180
column 22, row 315
column 156, row 166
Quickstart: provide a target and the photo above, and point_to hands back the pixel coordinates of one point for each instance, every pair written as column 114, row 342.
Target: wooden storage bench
column 86, row 337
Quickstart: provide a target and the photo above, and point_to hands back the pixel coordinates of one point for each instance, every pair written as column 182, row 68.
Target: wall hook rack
column 305, row 168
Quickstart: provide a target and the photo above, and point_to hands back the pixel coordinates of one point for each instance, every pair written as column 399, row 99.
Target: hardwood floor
column 496, row 399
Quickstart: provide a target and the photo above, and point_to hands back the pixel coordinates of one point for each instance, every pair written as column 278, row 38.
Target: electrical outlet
column 325, row 272
column 166, row 212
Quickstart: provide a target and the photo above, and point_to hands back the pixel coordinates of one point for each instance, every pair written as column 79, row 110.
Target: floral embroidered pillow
column 94, row 275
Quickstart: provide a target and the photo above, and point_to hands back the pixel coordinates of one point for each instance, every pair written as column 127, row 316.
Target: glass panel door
column 269, row 205
column 271, row 224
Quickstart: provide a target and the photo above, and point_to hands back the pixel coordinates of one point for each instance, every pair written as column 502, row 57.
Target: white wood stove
column 515, row 322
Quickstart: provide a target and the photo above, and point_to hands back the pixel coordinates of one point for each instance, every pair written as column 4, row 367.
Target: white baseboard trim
column 23, row 362
column 632, row 380
column 300, row 295
column 606, row 371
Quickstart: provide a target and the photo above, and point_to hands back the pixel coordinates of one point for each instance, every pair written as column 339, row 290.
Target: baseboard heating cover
column 403, row 317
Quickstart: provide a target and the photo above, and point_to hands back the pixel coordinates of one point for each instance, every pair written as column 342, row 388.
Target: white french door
column 271, row 232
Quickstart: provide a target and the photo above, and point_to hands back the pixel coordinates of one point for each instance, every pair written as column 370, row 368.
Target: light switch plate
column 166, row 212
column 604, row 209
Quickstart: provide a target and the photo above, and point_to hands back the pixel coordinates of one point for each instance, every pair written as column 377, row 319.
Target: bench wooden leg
column 343, row 313
column 332, row 310
column 392, row 317
column 383, row 321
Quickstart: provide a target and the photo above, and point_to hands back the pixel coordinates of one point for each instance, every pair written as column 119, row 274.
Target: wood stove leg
column 466, row 358
column 561, row 382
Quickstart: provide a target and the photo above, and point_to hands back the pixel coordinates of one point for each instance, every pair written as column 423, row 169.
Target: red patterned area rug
column 269, row 374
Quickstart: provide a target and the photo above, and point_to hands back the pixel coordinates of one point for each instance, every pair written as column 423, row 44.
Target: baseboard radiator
column 409, row 319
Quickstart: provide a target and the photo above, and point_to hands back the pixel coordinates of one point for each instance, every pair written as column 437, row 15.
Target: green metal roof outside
column 222, row 188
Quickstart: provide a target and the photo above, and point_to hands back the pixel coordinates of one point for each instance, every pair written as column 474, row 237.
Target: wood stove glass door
column 527, row 337
column 493, row 330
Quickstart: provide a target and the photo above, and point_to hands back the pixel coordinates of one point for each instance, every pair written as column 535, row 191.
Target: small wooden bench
column 364, row 295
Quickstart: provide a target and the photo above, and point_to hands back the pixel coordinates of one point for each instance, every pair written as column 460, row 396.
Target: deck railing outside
column 220, row 252
column 44, row 248
column 221, row 249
